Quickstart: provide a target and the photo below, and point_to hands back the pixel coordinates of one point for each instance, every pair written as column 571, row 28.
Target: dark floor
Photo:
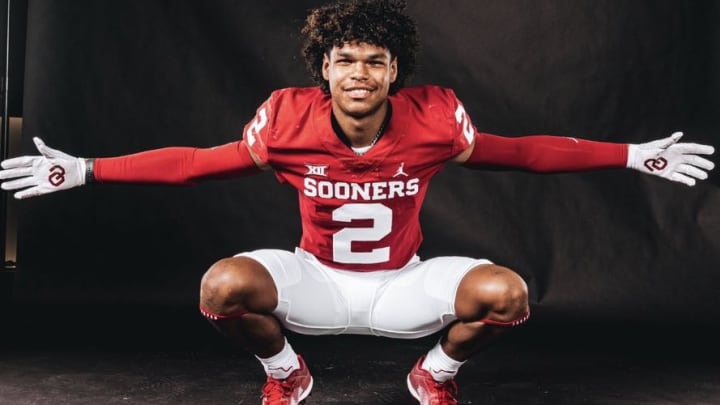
column 132, row 362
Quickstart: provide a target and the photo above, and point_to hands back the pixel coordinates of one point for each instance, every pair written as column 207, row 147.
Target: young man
column 360, row 149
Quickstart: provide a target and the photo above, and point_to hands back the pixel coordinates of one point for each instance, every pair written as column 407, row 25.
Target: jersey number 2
column 343, row 239
column 462, row 118
column 256, row 126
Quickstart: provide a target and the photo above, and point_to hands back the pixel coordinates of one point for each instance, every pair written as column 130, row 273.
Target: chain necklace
column 363, row 149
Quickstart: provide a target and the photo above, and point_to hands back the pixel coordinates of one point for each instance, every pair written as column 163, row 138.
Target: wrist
column 632, row 150
column 89, row 171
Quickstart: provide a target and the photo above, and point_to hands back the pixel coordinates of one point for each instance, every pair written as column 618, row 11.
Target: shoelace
column 275, row 390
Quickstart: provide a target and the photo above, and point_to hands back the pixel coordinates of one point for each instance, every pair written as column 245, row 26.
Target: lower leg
column 490, row 300
column 463, row 339
column 238, row 296
column 256, row 333
column 262, row 336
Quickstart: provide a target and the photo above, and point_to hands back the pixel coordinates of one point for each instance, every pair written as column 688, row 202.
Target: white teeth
column 359, row 92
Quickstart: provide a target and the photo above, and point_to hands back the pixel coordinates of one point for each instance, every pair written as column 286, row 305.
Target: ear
column 326, row 67
column 393, row 70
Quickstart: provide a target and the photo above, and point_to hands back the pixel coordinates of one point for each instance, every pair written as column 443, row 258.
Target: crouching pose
column 360, row 149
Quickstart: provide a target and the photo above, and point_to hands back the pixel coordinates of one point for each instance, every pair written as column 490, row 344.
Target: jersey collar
column 394, row 132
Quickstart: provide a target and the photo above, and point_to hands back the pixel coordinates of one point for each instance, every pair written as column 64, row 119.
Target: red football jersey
column 360, row 213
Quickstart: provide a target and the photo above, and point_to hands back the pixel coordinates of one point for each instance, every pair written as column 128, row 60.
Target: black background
column 105, row 78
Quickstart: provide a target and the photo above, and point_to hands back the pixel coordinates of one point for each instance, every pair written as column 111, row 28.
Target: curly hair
column 376, row 22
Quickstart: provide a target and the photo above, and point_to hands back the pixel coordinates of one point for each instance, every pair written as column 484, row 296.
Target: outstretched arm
column 54, row 170
column 544, row 153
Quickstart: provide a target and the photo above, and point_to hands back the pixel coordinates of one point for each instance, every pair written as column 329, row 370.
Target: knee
column 506, row 293
column 492, row 292
column 237, row 284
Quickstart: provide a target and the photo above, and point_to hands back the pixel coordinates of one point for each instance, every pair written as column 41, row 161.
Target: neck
column 361, row 131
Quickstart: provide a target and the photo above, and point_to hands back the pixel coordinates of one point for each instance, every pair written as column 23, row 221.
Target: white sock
column 281, row 365
column 440, row 365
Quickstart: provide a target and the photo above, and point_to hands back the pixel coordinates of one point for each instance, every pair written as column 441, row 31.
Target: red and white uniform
column 356, row 270
column 359, row 213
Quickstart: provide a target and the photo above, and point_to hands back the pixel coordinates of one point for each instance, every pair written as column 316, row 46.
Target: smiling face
column 359, row 76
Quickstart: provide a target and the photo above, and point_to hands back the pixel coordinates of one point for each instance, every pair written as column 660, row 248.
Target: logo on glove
column 57, row 175
column 656, row 164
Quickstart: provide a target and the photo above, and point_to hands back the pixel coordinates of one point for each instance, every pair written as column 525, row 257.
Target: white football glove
column 38, row 175
column 671, row 160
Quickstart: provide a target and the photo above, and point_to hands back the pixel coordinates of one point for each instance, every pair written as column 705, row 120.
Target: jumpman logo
column 400, row 171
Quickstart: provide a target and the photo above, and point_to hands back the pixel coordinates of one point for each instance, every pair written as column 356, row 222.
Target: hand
column 671, row 160
column 37, row 175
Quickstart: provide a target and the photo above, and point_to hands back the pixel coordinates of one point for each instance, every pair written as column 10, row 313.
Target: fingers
column 699, row 161
column 686, row 173
column 667, row 142
column 693, row 149
column 679, row 177
column 19, row 183
column 22, row 183
column 22, row 161
column 659, row 146
column 676, row 136
column 48, row 151
column 30, row 192
column 15, row 173
column 40, row 145
column 692, row 171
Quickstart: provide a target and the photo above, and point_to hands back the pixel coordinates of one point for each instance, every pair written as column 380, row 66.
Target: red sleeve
column 546, row 153
column 177, row 165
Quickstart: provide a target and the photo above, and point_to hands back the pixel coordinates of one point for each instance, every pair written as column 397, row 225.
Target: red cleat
column 290, row 391
column 428, row 391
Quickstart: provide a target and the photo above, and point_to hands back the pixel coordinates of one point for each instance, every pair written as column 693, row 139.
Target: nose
column 360, row 71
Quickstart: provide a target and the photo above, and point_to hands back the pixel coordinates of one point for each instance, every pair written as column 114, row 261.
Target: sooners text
column 373, row 191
